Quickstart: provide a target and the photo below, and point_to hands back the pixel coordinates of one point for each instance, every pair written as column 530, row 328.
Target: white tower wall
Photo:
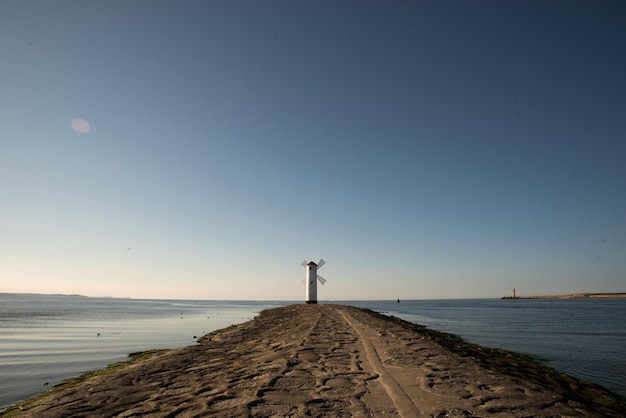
column 311, row 282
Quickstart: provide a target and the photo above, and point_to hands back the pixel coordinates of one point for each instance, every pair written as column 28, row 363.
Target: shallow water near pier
column 46, row 339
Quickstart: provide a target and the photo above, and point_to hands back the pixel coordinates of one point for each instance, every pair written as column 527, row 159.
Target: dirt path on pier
column 326, row 361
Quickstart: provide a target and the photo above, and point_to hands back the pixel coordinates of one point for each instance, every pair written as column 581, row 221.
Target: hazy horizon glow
column 194, row 150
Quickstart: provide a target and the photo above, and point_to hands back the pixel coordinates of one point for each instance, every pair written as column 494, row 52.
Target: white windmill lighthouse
column 311, row 279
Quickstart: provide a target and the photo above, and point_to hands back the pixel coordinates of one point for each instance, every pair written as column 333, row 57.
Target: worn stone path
column 326, row 361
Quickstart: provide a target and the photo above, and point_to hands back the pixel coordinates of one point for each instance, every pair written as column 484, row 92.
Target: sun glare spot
column 81, row 126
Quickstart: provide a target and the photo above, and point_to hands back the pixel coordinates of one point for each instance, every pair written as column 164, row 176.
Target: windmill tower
column 311, row 279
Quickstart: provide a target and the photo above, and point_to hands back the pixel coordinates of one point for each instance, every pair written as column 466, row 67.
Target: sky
column 204, row 149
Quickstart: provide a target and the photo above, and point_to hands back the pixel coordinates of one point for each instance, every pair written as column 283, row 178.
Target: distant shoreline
column 572, row 296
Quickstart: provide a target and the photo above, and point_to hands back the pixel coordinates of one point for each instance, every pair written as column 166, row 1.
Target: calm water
column 45, row 339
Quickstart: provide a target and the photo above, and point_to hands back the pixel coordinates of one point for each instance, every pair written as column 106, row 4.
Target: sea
column 45, row 339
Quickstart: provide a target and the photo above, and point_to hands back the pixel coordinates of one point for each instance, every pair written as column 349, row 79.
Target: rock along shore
column 325, row 361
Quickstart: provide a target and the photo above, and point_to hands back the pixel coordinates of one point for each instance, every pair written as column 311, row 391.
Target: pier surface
column 325, row 361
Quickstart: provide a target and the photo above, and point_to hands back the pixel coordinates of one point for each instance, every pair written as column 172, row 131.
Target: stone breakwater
column 325, row 361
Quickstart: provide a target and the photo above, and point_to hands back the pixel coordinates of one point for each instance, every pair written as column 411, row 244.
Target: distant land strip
column 572, row 296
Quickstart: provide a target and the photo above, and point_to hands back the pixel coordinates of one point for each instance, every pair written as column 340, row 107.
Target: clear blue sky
column 203, row 149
